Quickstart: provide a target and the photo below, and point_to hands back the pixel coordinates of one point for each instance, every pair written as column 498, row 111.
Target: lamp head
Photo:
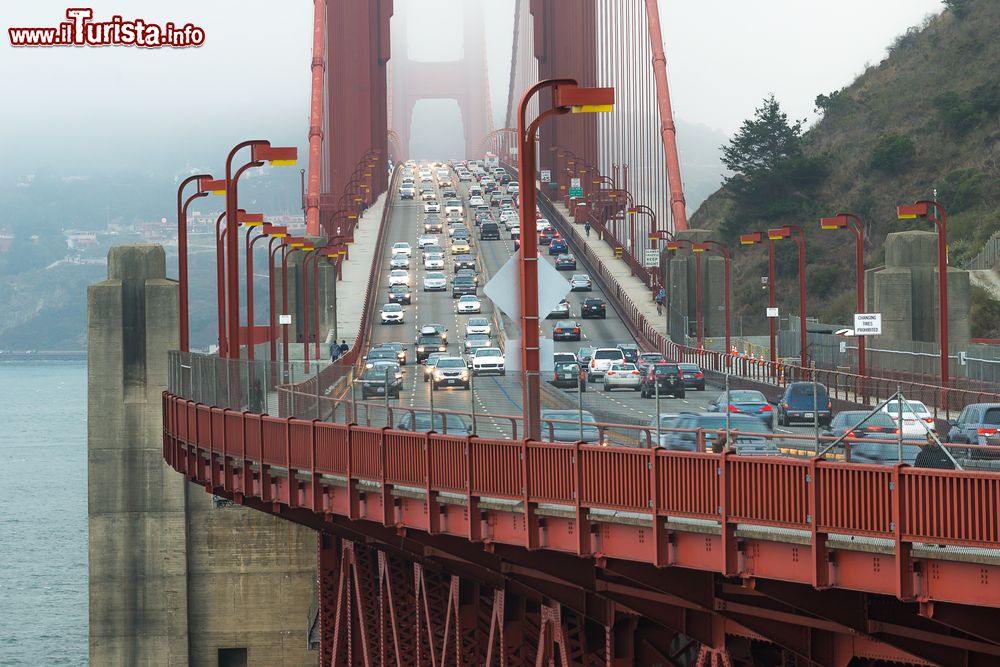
column 835, row 222
column 912, row 211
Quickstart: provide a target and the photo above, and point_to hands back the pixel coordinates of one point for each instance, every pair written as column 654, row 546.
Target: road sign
column 651, row 258
column 284, row 319
column 772, row 312
column 867, row 324
column 574, row 188
column 512, row 354
column 618, row 253
column 504, row 288
column 546, row 176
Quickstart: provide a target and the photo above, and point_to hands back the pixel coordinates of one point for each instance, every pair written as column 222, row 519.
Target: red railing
column 938, row 507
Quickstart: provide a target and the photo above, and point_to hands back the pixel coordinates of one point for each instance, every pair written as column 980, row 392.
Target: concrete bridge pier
column 681, row 272
column 176, row 577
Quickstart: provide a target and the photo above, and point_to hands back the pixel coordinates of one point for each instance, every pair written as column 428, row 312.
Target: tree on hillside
column 960, row 8
column 762, row 142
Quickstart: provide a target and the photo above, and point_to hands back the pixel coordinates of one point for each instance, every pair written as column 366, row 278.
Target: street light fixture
column 567, row 97
column 854, row 223
column 758, row 238
column 203, row 180
column 931, row 210
column 799, row 235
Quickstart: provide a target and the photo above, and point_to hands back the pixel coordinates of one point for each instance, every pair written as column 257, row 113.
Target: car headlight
column 438, row 375
column 420, row 349
column 465, row 375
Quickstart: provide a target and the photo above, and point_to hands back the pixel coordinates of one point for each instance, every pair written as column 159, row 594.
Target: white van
column 602, row 359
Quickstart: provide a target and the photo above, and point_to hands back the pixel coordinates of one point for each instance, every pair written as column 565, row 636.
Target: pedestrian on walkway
column 586, row 228
column 334, row 351
column 256, row 398
column 344, row 347
column 661, row 296
column 932, row 455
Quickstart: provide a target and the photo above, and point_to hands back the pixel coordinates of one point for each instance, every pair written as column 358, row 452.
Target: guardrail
column 903, row 506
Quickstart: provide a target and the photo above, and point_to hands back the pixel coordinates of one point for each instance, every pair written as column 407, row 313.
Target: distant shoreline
column 48, row 355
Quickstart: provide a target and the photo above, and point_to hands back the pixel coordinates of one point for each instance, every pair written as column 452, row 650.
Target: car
column 377, row 354
column 465, row 262
column 568, row 375
column 435, row 330
column 464, row 177
column 565, row 262
column 433, row 250
column 402, row 247
column 424, row 421
column 559, row 247
column 744, row 401
column 547, row 236
column 488, row 360
column 580, row 282
column 468, row 303
column 917, row 419
column 427, row 344
column 515, row 232
column 395, row 347
column 860, row 424
column 622, row 375
column 476, row 200
column 693, row 376
column 467, row 273
column 462, row 285
column 558, row 357
column 601, row 360
column 749, row 439
column 432, row 224
column 977, row 424
column 433, row 261
column 560, row 311
column 584, row 355
column 662, row 379
column 435, row 281
column 428, row 194
column 407, row 192
column 380, row 381
column 450, row 372
column 399, row 261
column 399, row 294
column 507, row 216
column 477, row 341
column 541, row 224
column 478, row 325
column 513, row 187
column 569, row 426
column 593, row 308
column 459, row 247
column 399, row 277
column 454, row 226
column 797, row 404
column 489, row 231
column 432, row 207
column 566, row 330
column 647, row 359
column 391, row 313
column 429, row 364
column 427, row 240
column 631, row 352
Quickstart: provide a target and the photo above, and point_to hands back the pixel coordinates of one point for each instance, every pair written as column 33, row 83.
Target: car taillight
column 766, row 408
column 929, row 420
column 986, row 431
column 576, row 329
column 849, row 434
column 555, row 376
column 699, row 375
column 875, row 428
column 635, row 372
column 592, row 363
column 733, row 408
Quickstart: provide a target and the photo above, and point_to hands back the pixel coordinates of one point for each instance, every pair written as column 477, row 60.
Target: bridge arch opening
column 436, row 130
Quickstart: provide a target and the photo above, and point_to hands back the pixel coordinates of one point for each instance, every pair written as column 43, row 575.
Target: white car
column 435, row 281
column 488, row 360
column 406, row 191
column 468, row 303
column 479, row 325
column 561, row 311
column 580, row 282
column 513, row 188
column 434, row 260
column 515, row 232
column 464, row 177
column 399, row 277
column 402, row 247
column 399, row 261
column 914, row 412
column 622, row 376
column 508, row 215
column 428, row 195
column 432, row 207
column 454, row 206
column 476, row 200
column 426, row 240
column 602, row 360
column 542, row 224
column 392, row 313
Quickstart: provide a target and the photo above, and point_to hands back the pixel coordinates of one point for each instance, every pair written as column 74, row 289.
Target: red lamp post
column 857, row 227
column 277, row 234
column 267, row 231
column 250, row 221
column 220, row 288
column 261, row 151
column 727, row 260
column 799, row 234
column 292, row 243
column 698, row 325
column 182, row 258
column 567, row 96
column 756, row 238
column 923, row 209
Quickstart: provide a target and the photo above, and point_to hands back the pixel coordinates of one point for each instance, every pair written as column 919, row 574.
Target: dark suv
column 462, row 285
column 593, row 308
column 665, row 376
column 797, row 404
column 489, row 231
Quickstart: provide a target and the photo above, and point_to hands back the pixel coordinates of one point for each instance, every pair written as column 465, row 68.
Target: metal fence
column 988, row 256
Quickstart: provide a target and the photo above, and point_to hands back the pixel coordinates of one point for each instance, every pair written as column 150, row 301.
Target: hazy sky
column 113, row 106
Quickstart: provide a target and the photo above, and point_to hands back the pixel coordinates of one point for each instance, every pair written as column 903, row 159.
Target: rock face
column 174, row 579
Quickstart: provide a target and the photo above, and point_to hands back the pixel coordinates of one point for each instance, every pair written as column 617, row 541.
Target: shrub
column 960, row 8
column 956, row 112
column 984, row 314
column 893, row 154
column 961, row 190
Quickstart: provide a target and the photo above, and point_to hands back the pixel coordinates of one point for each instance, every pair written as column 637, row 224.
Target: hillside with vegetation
column 924, row 123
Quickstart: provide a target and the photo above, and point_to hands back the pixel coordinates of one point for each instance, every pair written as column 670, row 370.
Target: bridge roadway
column 496, row 401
